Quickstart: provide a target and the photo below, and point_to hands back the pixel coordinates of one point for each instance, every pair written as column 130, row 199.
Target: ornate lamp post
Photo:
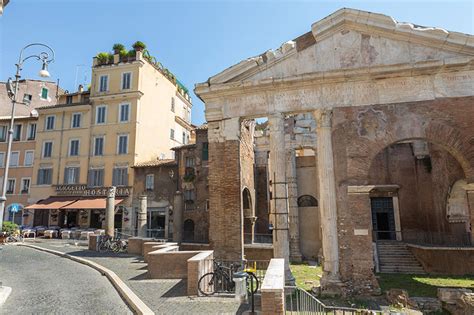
column 45, row 57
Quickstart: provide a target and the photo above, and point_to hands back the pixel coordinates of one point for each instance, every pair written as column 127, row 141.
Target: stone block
column 147, row 247
column 451, row 295
column 135, row 245
column 94, row 242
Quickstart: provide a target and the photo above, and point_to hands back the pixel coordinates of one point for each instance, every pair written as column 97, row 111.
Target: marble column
column 295, row 252
column 327, row 197
column 281, row 248
column 110, row 212
column 142, row 216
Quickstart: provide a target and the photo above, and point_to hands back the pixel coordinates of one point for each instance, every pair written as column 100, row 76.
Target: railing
column 258, row 238
column 426, row 238
column 299, row 301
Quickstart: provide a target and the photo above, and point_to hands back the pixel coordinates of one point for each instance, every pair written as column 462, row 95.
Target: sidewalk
column 162, row 296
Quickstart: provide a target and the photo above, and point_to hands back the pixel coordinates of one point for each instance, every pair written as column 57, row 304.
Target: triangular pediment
column 351, row 39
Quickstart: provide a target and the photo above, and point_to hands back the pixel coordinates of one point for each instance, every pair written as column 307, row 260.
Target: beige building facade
column 90, row 140
column 32, row 94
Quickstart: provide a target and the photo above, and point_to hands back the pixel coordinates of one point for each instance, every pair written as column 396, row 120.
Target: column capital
column 323, row 118
column 276, row 122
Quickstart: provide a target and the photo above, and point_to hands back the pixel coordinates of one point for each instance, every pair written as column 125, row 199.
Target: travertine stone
column 110, row 212
column 280, row 201
column 327, row 196
column 295, row 252
column 142, row 217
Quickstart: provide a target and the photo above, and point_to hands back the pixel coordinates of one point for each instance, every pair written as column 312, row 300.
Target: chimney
column 80, row 89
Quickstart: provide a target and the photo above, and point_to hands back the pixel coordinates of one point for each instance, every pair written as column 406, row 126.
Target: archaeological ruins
column 368, row 125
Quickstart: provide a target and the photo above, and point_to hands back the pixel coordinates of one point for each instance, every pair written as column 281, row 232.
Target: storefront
column 79, row 206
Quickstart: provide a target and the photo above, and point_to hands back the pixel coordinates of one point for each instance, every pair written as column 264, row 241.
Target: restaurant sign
column 84, row 190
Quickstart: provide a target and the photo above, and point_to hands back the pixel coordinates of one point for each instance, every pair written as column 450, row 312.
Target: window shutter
column 89, row 178
column 66, row 171
column 114, row 177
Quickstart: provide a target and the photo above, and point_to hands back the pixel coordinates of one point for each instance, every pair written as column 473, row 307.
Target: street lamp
column 46, row 57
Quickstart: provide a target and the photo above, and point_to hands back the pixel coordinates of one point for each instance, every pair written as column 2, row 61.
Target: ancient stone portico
column 373, row 86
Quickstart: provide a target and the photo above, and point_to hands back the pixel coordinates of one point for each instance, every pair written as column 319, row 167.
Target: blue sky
column 194, row 39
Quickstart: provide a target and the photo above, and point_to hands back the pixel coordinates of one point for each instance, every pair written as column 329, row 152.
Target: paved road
column 45, row 283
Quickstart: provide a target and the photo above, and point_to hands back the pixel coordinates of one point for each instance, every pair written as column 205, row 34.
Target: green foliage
column 9, row 227
column 103, row 57
column 132, row 53
column 138, row 45
column 123, row 53
column 118, row 47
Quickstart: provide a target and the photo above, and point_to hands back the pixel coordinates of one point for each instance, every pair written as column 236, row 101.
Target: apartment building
column 31, row 95
column 133, row 113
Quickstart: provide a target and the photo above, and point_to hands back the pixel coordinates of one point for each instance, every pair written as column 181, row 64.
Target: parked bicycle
column 220, row 280
column 116, row 245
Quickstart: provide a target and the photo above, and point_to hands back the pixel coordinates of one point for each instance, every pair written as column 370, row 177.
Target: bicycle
column 220, row 280
column 116, row 245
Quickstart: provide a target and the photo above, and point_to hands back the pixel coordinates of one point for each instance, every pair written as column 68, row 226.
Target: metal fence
column 299, row 301
column 426, row 238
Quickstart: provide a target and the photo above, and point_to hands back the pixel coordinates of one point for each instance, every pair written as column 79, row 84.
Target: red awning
column 90, row 203
column 52, row 203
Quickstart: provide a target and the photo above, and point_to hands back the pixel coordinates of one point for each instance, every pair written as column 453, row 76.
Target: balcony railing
column 258, row 238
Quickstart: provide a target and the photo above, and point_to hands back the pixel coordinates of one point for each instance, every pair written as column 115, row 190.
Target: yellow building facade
column 89, row 141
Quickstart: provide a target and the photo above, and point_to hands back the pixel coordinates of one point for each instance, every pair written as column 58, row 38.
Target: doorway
column 383, row 218
column 96, row 221
column 156, row 222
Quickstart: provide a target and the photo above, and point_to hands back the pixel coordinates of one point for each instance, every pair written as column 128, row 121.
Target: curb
column 133, row 301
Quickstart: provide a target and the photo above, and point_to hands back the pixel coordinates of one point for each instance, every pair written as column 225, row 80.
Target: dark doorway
column 188, row 229
column 96, row 222
column 383, row 218
column 118, row 219
column 41, row 217
column 71, row 220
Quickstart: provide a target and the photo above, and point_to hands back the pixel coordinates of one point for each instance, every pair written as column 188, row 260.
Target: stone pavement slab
column 161, row 295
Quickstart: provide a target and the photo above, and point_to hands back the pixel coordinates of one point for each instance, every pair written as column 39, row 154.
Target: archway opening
column 413, row 180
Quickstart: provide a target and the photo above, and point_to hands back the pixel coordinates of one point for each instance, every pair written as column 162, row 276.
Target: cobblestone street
column 43, row 284
column 162, row 296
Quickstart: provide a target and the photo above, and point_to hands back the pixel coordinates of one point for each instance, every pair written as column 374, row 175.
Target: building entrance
column 383, row 218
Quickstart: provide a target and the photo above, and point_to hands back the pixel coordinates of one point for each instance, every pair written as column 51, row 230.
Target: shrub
column 138, row 45
column 118, row 48
column 132, row 53
column 9, row 227
column 103, row 57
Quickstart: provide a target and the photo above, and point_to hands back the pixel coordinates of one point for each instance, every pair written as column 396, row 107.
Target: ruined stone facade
column 373, row 86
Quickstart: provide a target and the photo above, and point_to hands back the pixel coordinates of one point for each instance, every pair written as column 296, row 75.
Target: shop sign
column 85, row 191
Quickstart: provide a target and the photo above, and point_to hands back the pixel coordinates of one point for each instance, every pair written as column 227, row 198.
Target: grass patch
column 423, row 285
column 306, row 276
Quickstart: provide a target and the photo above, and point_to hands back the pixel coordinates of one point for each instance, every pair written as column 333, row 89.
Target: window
column 126, row 80
column 124, row 112
column 29, row 155
column 32, row 131
column 184, row 137
column 189, row 161
column 14, row 159
column 189, row 196
column 2, row 159
column 205, row 151
column 11, row 186
column 69, row 99
column 27, row 98
column 172, row 134
column 122, row 144
column 50, row 122
column 150, row 182
column 96, row 177
column 44, row 93
column 98, row 146
column 120, row 176
column 74, row 147
column 101, row 114
column 45, row 176
column 71, row 175
column 17, row 132
column 3, row 133
column 76, row 120
column 25, row 185
column 103, row 83
column 307, row 201
column 172, row 104
column 47, row 149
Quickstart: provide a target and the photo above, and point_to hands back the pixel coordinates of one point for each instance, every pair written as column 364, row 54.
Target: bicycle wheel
column 206, row 284
column 114, row 246
column 103, row 246
column 252, row 280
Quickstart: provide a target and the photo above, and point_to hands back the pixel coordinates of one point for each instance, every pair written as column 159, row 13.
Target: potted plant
column 118, row 48
column 102, row 58
column 139, row 46
column 131, row 54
